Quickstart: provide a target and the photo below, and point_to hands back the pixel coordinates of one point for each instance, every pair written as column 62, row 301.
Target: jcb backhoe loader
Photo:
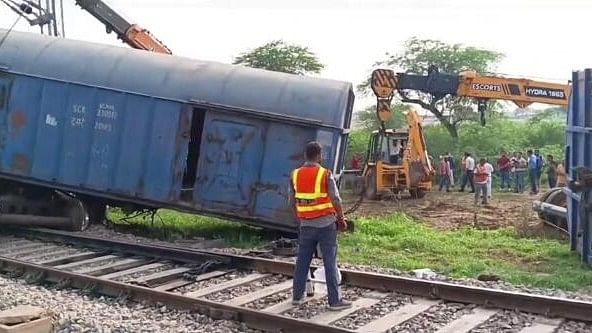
column 397, row 161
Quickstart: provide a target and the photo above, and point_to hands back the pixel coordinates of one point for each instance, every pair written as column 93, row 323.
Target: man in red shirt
column 356, row 163
column 444, row 173
column 504, row 165
column 480, row 179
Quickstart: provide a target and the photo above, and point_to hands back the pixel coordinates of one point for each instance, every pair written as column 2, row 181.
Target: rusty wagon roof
column 174, row 77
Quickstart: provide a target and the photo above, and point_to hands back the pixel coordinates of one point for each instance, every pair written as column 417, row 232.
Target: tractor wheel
column 358, row 188
column 370, row 192
column 417, row 193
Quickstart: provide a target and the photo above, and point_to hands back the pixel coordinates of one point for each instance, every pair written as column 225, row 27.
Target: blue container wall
column 128, row 146
column 91, row 138
column 579, row 154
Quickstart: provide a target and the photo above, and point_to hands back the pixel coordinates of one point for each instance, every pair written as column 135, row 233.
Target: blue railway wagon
column 578, row 157
column 122, row 127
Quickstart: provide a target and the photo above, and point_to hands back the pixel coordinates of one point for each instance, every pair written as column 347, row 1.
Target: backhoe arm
column 418, row 150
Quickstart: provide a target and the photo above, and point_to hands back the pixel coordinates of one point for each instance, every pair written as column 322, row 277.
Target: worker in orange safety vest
column 317, row 206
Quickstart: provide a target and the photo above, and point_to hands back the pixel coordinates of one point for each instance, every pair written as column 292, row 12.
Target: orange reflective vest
column 312, row 197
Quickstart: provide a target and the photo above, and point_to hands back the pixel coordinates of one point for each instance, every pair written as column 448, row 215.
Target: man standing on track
column 317, row 205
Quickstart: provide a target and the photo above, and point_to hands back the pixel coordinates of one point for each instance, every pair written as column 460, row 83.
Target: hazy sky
column 540, row 38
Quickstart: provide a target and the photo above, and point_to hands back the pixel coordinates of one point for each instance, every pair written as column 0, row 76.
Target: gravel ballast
column 363, row 316
column 504, row 322
column 574, row 327
column 433, row 318
column 225, row 295
column 76, row 312
column 315, row 307
column 211, row 282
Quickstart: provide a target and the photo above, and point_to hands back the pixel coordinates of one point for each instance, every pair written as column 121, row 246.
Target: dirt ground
column 453, row 210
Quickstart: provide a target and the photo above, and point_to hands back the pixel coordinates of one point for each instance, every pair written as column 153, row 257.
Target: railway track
column 257, row 291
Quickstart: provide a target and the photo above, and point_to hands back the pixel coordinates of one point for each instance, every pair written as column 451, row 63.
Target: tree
column 501, row 134
column 281, row 57
column 417, row 57
column 552, row 113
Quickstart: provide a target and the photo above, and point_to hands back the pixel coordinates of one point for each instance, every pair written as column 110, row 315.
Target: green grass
column 401, row 243
column 404, row 244
column 170, row 225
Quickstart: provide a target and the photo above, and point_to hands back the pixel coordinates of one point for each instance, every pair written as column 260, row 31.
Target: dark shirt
column 503, row 164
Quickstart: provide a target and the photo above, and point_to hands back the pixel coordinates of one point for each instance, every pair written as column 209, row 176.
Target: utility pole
column 47, row 14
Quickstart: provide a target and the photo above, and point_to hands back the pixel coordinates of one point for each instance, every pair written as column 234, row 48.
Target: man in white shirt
column 469, row 167
column 452, row 167
column 489, row 169
column 394, row 149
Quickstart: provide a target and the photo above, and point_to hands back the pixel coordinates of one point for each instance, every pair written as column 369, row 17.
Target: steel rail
column 215, row 310
column 538, row 304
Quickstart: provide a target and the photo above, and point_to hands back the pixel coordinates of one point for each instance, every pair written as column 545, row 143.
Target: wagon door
column 230, row 162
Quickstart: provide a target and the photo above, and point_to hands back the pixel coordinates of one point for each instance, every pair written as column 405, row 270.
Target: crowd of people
column 514, row 171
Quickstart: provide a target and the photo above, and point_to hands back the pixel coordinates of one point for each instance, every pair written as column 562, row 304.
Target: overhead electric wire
column 62, row 18
column 9, row 30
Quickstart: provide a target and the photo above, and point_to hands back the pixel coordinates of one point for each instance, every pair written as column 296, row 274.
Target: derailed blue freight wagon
column 85, row 125
column 579, row 165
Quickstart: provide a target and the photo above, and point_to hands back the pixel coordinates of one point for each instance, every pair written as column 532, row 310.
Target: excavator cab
column 396, row 162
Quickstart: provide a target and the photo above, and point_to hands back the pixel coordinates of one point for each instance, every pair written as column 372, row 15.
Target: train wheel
column 545, row 198
column 558, row 198
column 97, row 212
column 78, row 215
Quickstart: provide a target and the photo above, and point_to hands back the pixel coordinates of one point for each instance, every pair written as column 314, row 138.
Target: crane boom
column 131, row 34
column 522, row 92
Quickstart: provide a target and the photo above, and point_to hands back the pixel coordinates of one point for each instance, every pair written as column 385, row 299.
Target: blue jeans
column 505, row 180
column 445, row 182
column 533, row 176
column 307, row 243
column 520, row 181
column 467, row 177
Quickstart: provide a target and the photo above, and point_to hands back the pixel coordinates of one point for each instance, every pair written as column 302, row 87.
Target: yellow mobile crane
column 131, row 34
column 412, row 170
